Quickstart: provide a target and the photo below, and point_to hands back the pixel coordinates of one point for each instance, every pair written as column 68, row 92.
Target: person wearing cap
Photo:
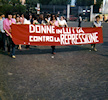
column 7, row 27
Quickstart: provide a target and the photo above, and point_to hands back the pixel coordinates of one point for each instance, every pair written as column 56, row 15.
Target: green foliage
column 4, row 1
column 99, row 2
column 44, row 2
column 32, row 3
column 5, row 8
column 88, row 2
column 55, row 2
column 12, row 5
column 13, row 2
column 20, row 9
column 84, row 2
column 15, row 5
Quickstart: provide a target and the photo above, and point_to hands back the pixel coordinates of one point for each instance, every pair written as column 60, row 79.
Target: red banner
column 47, row 35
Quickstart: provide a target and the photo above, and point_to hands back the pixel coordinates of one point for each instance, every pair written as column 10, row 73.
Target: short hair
column 8, row 13
column 97, row 17
column 35, row 17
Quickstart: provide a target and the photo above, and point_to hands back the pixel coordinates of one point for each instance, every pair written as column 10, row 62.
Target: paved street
column 74, row 73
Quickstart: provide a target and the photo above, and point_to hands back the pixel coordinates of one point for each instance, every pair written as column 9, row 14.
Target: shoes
column 27, row 48
column 92, row 47
column 95, row 49
column 53, row 53
column 8, row 53
column 13, row 57
column 19, row 48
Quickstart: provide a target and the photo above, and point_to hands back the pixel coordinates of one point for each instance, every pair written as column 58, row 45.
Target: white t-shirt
column 26, row 21
column 62, row 23
column 80, row 18
column 49, row 19
column 1, row 26
column 14, row 19
column 97, row 24
column 58, row 19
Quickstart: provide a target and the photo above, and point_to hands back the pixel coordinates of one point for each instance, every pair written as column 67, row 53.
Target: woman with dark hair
column 27, row 21
column 22, row 19
column 31, row 18
column 55, row 23
column 7, row 27
column 35, row 21
column 14, row 17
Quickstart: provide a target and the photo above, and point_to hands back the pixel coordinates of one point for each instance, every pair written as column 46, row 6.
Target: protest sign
column 47, row 35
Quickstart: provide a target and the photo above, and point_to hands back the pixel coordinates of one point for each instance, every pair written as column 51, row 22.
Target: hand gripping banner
column 47, row 35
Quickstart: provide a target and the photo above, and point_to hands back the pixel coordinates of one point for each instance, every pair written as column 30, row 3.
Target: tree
column 55, row 2
column 13, row 2
column 44, row 2
column 13, row 6
column 32, row 3
column 60, row 2
column 87, row 2
column 4, row 1
column 84, row 2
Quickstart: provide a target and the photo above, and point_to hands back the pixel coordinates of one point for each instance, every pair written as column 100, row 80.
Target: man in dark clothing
column 79, row 20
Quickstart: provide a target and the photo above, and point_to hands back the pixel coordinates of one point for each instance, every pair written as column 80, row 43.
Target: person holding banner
column 18, row 22
column 62, row 22
column 55, row 23
column 27, row 21
column 22, row 19
column 35, row 21
column 7, row 27
column 41, row 19
column 96, row 23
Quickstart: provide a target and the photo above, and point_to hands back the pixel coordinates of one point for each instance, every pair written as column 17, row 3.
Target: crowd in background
column 7, row 20
column 43, row 19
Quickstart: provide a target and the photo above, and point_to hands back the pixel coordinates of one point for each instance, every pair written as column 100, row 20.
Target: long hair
column 53, row 15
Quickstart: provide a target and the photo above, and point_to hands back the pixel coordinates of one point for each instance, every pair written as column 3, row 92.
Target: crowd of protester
column 43, row 19
column 7, row 20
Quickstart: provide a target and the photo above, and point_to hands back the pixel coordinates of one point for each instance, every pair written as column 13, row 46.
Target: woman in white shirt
column 62, row 22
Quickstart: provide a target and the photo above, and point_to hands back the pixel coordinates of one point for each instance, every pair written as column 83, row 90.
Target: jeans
column 9, row 44
column 3, row 41
column 93, row 45
column 27, row 46
column 79, row 24
column 2, row 37
column 53, row 49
